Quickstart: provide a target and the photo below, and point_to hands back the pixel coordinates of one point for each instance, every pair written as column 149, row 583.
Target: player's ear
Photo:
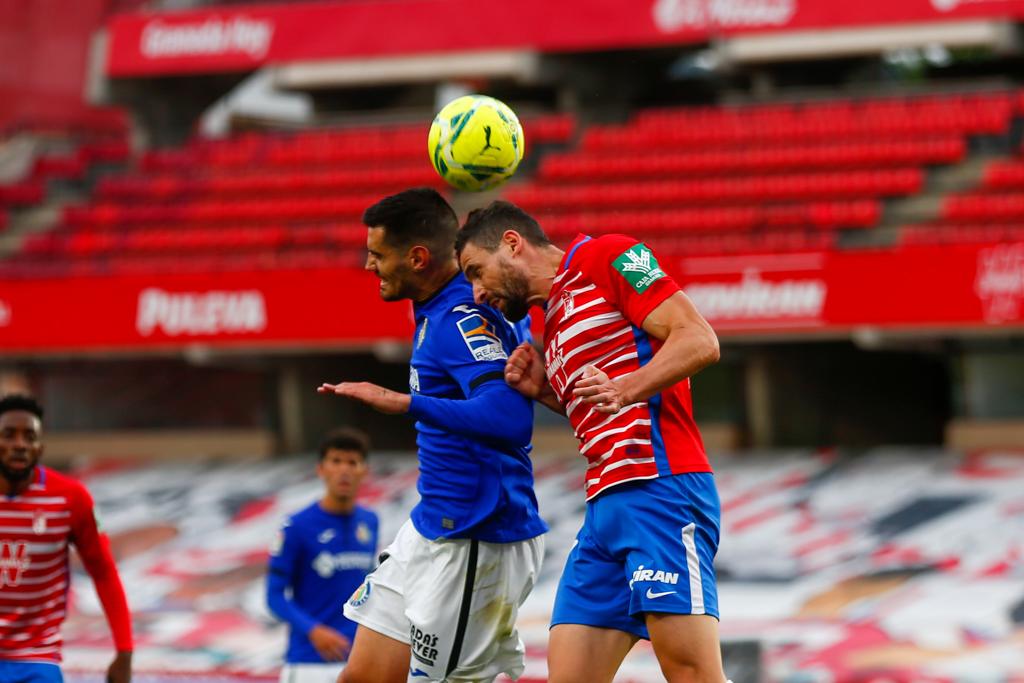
column 513, row 240
column 419, row 257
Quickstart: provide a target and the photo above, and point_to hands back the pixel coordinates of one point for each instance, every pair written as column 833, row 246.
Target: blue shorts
column 646, row 546
column 30, row 672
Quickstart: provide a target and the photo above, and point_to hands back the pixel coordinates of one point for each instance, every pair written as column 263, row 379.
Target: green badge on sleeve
column 638, row 265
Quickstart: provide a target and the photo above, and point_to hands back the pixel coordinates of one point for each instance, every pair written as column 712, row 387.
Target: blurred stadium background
column 838, row 186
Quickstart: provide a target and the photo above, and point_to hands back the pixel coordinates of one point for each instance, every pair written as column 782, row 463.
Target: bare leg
column 687, row 647
column 376, row 658
column 586, row 654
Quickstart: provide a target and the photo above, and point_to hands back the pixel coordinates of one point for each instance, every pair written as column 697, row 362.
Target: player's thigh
column 379, row 604
column 669, row 529
column 462, row 607
column 376, row 658
column 586, row 654
column 30, row 672
column 687, row 647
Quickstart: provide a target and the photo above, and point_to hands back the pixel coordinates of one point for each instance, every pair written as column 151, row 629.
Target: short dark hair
column 20, row 402
column 419, row 216
column 484, row 227
column 345, row 439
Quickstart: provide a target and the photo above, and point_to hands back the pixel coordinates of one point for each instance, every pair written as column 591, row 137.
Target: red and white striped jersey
column 603, row 291
column 36, row 527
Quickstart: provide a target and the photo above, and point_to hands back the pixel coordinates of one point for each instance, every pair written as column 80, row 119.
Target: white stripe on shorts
column 693, row 569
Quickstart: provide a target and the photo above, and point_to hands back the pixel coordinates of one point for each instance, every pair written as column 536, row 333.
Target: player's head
column 342, row 465
column 21, row 436
column 497, row 249
column 409, row 235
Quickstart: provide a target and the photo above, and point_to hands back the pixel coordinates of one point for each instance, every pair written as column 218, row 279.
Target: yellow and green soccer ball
column 475, row 142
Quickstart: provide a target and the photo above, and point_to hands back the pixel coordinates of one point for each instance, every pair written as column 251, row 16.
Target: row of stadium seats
column 379, row 147
column 167, row 187
column 664, row 223
column 971, row 233
column 741, row 126
column 601, row 165
column 821, row 186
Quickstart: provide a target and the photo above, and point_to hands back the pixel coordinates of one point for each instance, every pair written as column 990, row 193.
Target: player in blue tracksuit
column 323, row 551
column 443, row 605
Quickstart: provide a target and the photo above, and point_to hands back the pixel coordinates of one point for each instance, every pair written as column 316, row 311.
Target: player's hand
column 524, row 371
column 120, row 670
column 377, row 397
column 332, row 646
column 596, row 387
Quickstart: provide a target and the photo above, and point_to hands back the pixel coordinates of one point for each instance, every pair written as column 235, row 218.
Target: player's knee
column 676, row 671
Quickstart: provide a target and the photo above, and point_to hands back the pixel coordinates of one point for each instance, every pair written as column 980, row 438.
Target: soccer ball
column 475, row 142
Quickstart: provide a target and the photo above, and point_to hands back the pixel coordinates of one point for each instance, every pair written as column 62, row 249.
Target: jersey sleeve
column 94, row 548
column 285, row 550
column 630, row 274
column 474, row 344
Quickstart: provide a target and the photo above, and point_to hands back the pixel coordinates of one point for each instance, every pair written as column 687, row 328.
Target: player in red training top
column 41, row 512
column 621, row 341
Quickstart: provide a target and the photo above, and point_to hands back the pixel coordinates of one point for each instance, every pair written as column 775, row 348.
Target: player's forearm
column 685, row 352
column 115, row 606
column 284, row 609
column 493, row 413
column 548, row 398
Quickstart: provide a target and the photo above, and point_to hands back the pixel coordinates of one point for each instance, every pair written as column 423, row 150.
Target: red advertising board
column 964, row 287
column 268, row 308
column 920, row 287
column 240, row 38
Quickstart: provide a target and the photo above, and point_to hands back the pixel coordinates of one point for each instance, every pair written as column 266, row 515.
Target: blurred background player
column 322, row 555
column 475, row 540
column 621, row 341
column 42, row 512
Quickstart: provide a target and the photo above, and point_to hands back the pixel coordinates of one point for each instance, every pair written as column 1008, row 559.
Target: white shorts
column 418, row 595
column 311, row 673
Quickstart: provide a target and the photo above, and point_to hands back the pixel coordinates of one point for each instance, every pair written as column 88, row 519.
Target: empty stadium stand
column 776, row 177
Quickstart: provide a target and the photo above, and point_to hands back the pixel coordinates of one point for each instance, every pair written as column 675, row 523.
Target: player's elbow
column 710, row 351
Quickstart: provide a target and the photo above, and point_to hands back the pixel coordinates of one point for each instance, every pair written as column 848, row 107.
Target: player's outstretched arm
column 377, row 397
column 689, row 346
column 524, row 372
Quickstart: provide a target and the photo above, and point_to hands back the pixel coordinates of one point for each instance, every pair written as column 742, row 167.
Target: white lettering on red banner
column 999, row 282
column 950, row 5
column 194, row 313
column 672, row 15
column 213, row 36
column 753, row 298
column 5, row 313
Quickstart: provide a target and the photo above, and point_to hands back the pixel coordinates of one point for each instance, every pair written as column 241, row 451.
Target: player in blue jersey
column 324, row 551
column 443, row 605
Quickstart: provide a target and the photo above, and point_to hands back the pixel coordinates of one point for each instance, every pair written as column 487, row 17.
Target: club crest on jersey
column 568, row 305
column 38, row 523
column 423, row 333
column 638, row 265
column 277, row 542
column 362, row 533
column 481, row 337
column 361, row 595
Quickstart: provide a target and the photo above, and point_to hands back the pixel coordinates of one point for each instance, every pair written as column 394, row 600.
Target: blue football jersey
column 321, row 558
column 470, row 487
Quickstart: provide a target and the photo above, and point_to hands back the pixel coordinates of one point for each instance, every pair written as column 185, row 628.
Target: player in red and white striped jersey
column 42, row 512
column 621, row 342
